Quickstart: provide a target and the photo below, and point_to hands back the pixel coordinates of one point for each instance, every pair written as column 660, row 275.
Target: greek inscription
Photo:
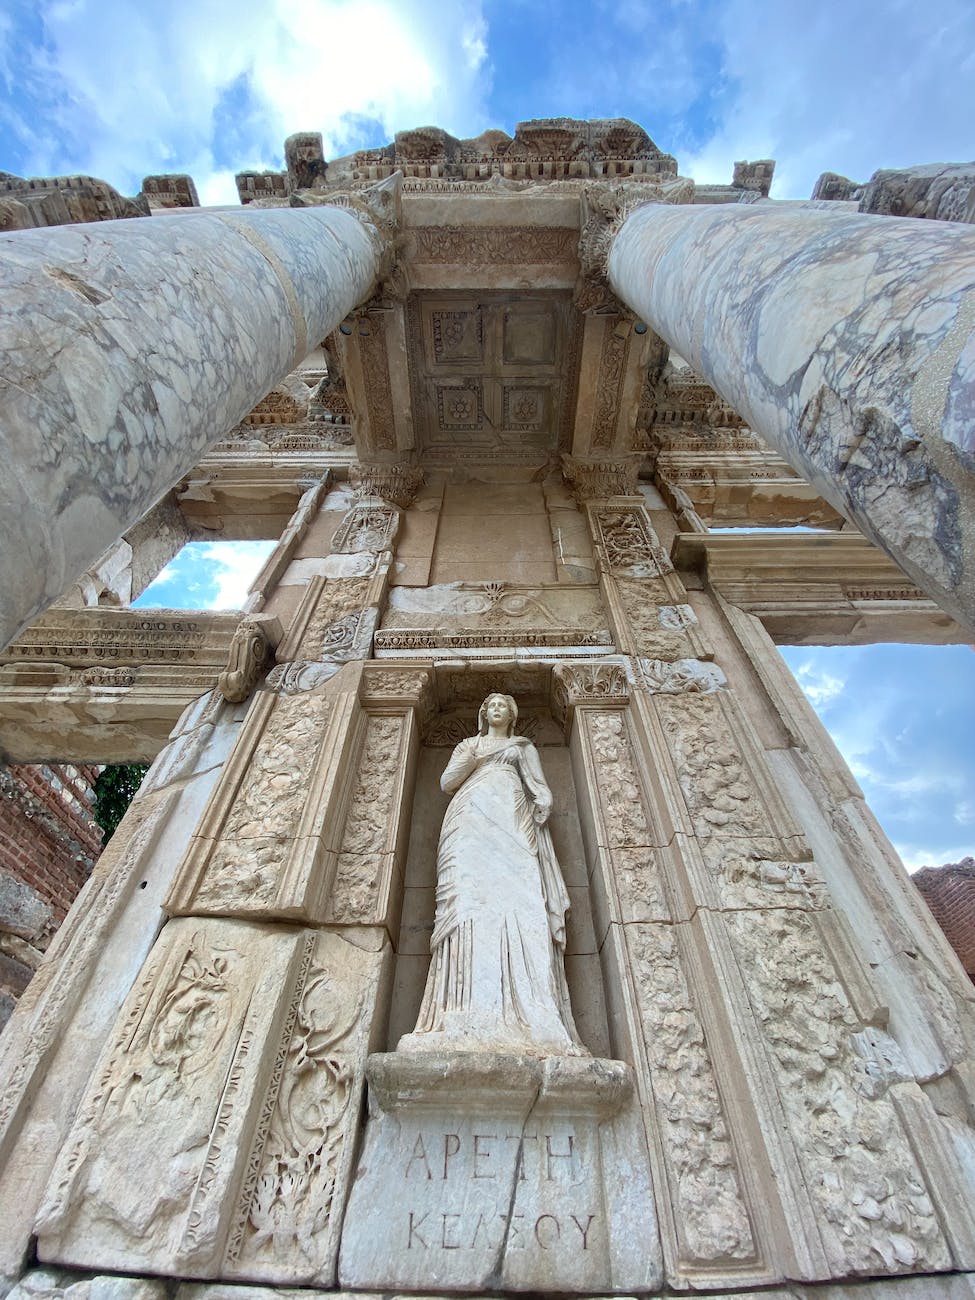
column 459, row 1232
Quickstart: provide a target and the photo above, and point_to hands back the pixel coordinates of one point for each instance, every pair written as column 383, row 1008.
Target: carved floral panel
column 247, row 863
column 366, row 861
column 718, row 789
column 710, row 1213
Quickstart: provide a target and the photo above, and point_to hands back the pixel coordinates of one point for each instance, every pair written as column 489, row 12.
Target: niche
column 453, row 724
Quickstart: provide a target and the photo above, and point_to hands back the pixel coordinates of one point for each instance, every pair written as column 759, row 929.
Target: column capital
column 604, row 208
column 595, row 479
column 395, row 483
column 380, row 209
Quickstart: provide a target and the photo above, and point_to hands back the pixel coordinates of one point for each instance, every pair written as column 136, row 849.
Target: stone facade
column 492, row 477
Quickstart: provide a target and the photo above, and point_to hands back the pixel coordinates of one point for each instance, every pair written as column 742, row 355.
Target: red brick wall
column 48, row 845
column 950, row 893
column 48, row 837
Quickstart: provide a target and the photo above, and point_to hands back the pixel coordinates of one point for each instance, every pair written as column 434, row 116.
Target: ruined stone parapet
column 939, row 191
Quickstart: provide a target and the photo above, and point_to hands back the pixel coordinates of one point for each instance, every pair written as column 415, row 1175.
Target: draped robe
column 497, row 974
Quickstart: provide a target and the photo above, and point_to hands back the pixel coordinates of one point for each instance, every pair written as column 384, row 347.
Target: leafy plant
column 115, row 789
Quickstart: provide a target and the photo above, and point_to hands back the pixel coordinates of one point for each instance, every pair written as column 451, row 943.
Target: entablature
column 816, row 588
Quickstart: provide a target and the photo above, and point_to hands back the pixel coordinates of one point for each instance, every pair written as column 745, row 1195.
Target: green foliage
column 115, row 789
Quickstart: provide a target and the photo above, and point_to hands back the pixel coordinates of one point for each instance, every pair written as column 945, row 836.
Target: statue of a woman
column 497, row 977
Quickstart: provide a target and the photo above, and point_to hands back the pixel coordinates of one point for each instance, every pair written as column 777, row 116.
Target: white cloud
column 820, row 686
column 197, row 85
column 842, row 87
column 229, row 568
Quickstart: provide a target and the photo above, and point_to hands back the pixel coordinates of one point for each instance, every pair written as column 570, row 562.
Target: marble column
column 127, row 347
column 846, row 341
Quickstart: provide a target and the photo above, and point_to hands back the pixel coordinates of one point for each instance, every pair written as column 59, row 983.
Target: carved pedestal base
column 485, row 1172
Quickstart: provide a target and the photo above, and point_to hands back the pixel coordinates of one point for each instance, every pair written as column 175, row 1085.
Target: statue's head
column 490, row 712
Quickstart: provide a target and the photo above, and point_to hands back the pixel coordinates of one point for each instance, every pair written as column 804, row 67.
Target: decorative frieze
column 480, row 246
column 102, row 636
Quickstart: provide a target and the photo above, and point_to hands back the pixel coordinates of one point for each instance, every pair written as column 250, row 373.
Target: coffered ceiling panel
column 492, row 372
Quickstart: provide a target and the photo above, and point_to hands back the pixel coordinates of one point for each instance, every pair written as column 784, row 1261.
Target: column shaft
column 127, row 347
column 848, row 342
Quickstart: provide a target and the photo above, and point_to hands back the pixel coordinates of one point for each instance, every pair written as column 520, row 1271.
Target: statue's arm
column 462, row 763
column 535, row 783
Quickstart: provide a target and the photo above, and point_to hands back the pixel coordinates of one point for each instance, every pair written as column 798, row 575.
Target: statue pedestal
column 484, row 1171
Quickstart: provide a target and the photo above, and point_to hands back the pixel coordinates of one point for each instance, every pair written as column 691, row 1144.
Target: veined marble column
column 848, row 342
column 127, row 347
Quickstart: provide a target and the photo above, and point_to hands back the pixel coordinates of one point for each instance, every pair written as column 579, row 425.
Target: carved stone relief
column 232, row 1079
column 371, row 340
column 609, row 386
column 873, row 1207
column 628, row 543
column 338, row 626
column 592, row 480
column 475, row 246
column 620, row 796
column 363, row 881
column 710, row 1212
column 680, row 676
column 480, row 613
column 397, row 484
column 757, row 875
column 658, row 630
column 718, row 789
column 250, row 652
column 366, row 527
column 245, row 867
column 574, row 684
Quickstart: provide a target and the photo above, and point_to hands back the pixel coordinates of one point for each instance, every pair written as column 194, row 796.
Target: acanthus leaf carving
column 397, row 484
column 580, row 683
column 593, row 479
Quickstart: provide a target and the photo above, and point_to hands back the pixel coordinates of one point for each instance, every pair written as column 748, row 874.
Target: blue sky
column 119, row 89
